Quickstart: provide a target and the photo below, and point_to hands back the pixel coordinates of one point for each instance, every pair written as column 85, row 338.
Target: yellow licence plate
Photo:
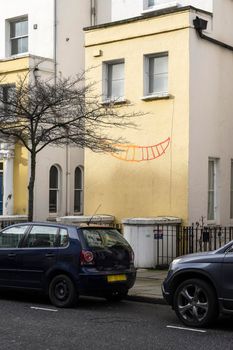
column 116, row 278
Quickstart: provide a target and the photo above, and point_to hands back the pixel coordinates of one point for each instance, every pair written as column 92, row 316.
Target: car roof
column 62, row 225
column 42, row 223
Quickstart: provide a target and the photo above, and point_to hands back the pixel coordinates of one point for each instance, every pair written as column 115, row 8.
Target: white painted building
column 211, row 121
column 122, row 9
column 50, row 30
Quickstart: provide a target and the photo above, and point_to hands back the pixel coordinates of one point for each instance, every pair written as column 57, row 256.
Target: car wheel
column 116, row 295
column 195, row 303
column 62, row 291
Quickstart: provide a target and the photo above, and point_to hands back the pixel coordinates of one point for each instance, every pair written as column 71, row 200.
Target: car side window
column 63, row 238
column 10, row 237
column 42, row 237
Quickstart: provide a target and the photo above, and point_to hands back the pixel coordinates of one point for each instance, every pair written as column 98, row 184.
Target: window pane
column 24, row 27
column 117, row 71
column 63, row 238
column 100, row 238
column 52, row 201
column 78, row 178
column 23, row 45
column 53, row 178
column 18, row 28
column 11, row 237
column 117, row 89
column 78, row 200
column 6, row 93
column 115, row 84
column 161, row 64
column 211, row 175
column 211, row 190
column 42, row 236
column 158, row 83
column 151, row 2
column 158, row 74
column 44, row 230
column 15, row 46
column 16, row 229
column 211, row 206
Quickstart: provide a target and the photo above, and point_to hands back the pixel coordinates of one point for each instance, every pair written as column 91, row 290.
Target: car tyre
column 195, row 303
column 62, row 291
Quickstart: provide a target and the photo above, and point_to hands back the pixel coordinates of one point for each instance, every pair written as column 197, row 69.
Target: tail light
column 86, row 257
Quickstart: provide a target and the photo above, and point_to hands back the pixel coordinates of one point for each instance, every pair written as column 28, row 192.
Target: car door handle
column 50, row 255
column 11, row 255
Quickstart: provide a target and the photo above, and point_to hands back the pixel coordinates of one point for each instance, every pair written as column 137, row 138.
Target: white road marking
column 43, row 309
column 187, row 329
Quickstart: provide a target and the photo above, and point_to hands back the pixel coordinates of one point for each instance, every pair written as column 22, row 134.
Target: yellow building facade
column 150, row 176
column 13, row 157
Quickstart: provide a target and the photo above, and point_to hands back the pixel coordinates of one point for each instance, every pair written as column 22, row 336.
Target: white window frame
column 213, row 190
column 57, row 189
column 14, row 38
column 147, row 59
column 80, row 190
column 107, row 97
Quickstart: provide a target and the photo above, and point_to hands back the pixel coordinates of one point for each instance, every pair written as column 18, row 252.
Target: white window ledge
column 164, row 96
column 117, row 101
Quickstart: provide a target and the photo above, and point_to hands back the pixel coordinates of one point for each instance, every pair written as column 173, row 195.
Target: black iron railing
column 173, row 241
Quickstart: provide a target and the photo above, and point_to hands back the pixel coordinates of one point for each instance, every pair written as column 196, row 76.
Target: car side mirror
column 229, row 250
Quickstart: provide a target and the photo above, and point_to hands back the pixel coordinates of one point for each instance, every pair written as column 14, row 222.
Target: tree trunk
column 31, row 187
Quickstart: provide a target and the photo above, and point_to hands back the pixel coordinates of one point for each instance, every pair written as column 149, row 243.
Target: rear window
column 103, row 238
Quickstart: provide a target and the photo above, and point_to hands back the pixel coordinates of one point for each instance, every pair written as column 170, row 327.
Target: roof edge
column 151, row 14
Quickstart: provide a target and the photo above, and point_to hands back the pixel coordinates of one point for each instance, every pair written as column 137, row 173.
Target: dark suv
column 65, row 261
column 200, row 286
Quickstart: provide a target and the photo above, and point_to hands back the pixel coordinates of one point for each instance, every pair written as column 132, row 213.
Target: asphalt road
column 29, row 322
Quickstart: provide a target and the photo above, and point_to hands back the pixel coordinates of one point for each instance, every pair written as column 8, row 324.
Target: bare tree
column 39, row 113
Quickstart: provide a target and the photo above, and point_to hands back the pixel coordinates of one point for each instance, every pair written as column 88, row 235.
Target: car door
column 37, row 256
column 227, row 279
column 10, row 239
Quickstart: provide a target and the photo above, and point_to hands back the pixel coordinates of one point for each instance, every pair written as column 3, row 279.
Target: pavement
column 147, row 287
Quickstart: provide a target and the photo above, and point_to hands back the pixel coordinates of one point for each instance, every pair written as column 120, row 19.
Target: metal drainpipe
column 55, row 41
column 93, row 12
column 67, row 151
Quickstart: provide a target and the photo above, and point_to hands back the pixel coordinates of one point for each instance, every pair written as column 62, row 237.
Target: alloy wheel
column 192, row 303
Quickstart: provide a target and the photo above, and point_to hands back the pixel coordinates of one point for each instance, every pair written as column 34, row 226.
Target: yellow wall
column 155, row 187
column 10, row 71
column 20, row 180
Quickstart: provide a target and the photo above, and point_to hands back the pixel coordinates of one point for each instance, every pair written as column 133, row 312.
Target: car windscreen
column 104, row 238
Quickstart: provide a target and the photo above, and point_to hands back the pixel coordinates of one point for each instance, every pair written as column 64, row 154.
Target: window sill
column 156, row 97
column 212, row 223
column 21, row 54
column 119, row 101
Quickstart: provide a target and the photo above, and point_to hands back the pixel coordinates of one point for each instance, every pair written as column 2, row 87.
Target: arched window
column 78, row 190
column 53, row 189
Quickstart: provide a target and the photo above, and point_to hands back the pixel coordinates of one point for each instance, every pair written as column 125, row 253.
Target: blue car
column 66, row 261
column 200, row 286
